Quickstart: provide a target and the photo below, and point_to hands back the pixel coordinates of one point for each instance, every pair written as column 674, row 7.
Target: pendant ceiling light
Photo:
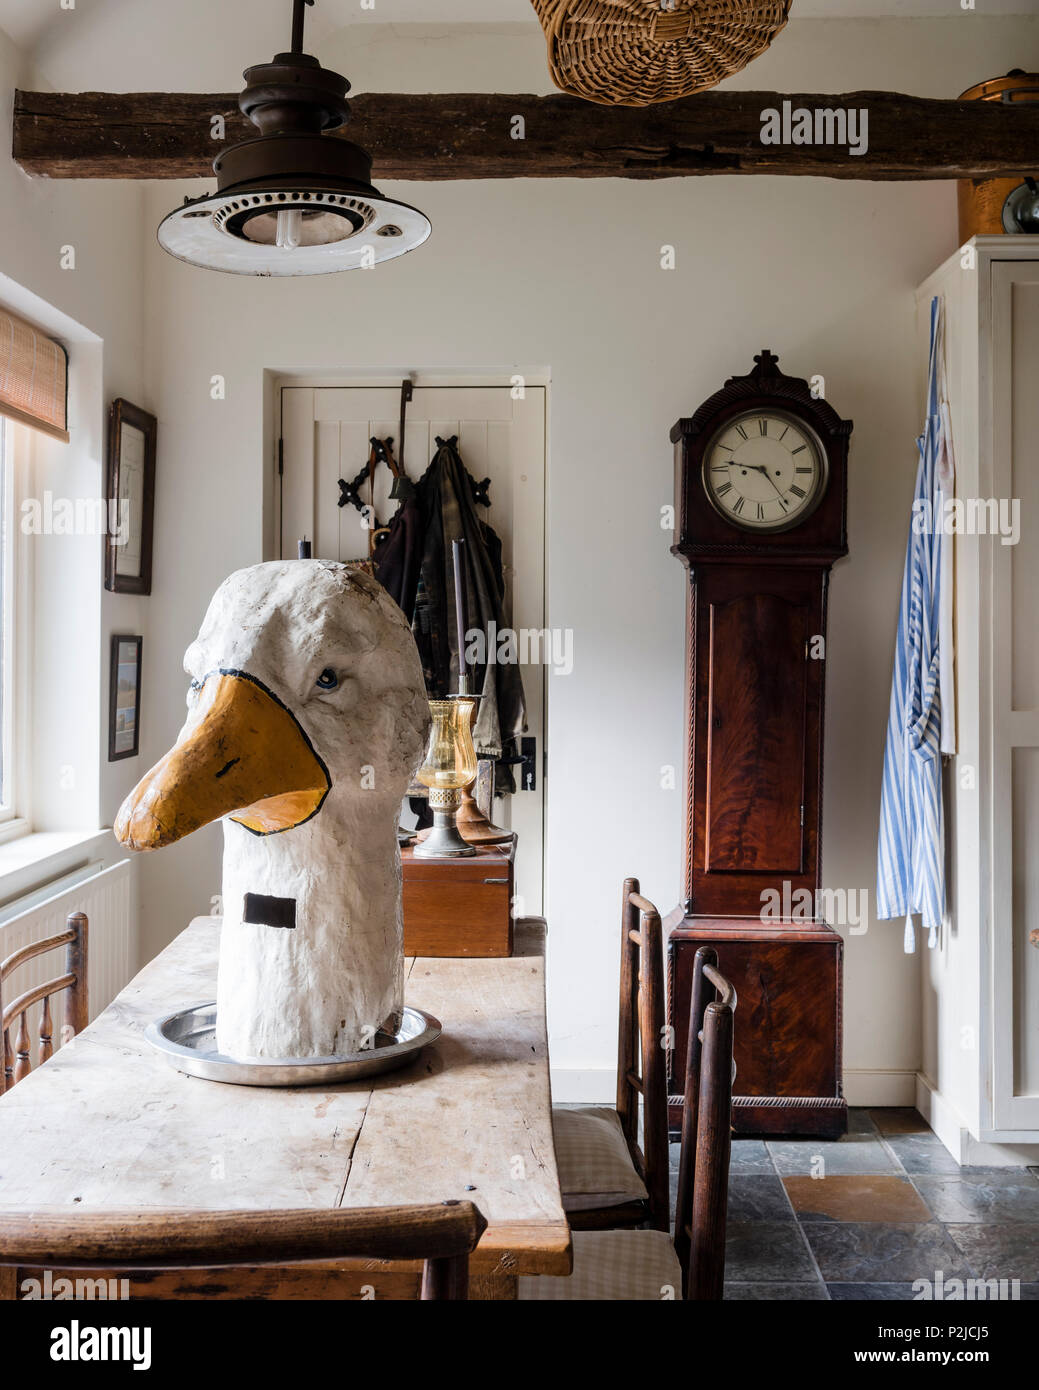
column 294, row 200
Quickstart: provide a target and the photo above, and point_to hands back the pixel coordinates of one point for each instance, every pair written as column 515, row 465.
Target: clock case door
column 755, row 696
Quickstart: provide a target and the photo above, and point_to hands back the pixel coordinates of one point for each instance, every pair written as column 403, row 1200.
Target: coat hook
column 406, row 392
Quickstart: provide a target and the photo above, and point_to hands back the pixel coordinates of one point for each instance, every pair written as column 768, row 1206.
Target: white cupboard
column 979, row 1079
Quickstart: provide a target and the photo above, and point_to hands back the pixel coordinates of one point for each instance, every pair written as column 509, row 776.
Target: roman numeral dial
column 765, row 471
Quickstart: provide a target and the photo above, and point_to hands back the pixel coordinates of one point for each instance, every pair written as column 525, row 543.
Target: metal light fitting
column 293, row 200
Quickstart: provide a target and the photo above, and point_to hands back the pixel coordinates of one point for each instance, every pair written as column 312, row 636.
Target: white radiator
column 104, row 895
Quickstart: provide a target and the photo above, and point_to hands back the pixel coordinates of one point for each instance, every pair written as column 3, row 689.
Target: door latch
column 527, row 762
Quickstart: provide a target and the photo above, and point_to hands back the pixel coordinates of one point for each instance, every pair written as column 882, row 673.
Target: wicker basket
column 638, row 52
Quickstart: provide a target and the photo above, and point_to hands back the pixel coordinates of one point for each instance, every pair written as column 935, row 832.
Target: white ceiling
column 28, row 22
column 202, row 45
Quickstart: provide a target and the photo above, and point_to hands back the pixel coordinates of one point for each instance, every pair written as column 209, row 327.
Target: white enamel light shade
column 291, row 231
column 293, row 200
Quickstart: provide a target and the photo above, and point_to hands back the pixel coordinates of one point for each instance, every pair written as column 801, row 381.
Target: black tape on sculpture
column 264, row 911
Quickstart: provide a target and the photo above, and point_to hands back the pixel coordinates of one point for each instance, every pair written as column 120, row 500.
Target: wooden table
column 108, row 1123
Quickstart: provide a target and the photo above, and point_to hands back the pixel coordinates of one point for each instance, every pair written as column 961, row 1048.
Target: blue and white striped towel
column 911, row 845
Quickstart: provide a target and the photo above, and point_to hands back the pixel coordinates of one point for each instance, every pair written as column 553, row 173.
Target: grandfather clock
column 760, row 507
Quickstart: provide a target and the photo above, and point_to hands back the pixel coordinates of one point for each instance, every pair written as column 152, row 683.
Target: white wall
column 566, row 274
column 97, row 310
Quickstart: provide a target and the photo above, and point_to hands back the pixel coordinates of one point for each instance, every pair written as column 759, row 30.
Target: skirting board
column 879, row 1088
column 949, row 1126
column 598, row 1086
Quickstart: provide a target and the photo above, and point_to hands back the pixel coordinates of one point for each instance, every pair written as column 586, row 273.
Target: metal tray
column 187, row 1040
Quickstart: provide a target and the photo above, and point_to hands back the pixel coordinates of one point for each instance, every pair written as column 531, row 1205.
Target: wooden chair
column 442, row 1236
column 703, row 1167
column 648, row 1265
column 17, row 1063
column 606, row 1178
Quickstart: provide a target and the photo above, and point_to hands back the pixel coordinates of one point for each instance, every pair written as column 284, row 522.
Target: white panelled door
column 1014, row 693
column 326, row 431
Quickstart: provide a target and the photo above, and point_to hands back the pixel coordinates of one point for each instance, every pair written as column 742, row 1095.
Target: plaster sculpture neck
column 307, row 719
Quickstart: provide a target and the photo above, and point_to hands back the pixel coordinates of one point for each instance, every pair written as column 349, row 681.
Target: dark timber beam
column 149, row 135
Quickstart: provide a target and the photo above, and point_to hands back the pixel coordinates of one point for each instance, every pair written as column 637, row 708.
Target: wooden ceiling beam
column 149, row 135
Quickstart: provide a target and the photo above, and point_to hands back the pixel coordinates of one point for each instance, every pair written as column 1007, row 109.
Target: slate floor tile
column 750, row 1156
column 752, row 1196
column 787, row 1293
column 757, row 1197
column 850, row 1197
column 922, row 1153
column 872, row 1293
column 860, row 1121
column 767, row 1251
column 890, row 1293
column 1004, row 1195
column 883, row 1252
column 857, row 1153
column 899, row 1121
column 999, row 1251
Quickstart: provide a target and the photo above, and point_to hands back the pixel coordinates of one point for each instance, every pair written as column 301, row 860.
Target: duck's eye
column 328, row 680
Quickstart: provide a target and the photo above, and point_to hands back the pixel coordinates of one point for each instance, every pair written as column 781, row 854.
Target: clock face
column 765, row 471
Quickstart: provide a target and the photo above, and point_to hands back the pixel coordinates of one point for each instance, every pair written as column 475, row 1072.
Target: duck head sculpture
column 307, row 718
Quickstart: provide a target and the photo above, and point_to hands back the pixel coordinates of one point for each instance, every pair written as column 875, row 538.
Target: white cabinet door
column 1015, row 699
column 325, row 433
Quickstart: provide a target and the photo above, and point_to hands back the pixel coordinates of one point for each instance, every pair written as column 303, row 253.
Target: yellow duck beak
column 246, row 753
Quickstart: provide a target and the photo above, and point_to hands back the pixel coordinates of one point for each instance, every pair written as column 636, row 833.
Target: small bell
column 402, row 488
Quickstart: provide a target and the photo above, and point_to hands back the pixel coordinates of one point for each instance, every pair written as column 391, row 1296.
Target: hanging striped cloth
column 911, row 844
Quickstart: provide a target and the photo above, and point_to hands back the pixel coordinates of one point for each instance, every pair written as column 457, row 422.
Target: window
column 6, row 627
column 14, row 630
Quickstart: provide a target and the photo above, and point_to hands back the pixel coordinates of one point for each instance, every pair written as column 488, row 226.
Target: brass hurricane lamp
column 449, row 766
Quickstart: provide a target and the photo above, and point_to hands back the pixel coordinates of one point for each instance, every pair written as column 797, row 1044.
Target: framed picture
column 124, row 699
column 130, row 492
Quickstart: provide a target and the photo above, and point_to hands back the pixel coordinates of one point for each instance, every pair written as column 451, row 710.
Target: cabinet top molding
column 471, row 135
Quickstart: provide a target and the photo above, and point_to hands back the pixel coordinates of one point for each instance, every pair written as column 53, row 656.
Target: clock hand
column 760, row 468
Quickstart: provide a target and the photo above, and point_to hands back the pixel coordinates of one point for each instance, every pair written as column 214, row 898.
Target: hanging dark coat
column 449, row 513
column 399, row 556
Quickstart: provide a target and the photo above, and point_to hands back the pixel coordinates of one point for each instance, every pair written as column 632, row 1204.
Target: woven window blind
column 33, row 377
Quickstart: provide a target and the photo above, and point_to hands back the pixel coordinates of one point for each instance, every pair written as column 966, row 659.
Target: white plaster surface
column 320, row 988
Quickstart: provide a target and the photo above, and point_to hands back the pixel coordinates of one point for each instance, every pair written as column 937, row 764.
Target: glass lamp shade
column 450, row 761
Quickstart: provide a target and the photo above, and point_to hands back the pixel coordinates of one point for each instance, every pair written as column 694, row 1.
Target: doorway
column 325, row 430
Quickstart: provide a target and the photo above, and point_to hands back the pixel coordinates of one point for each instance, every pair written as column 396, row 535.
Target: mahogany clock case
column 755, row 666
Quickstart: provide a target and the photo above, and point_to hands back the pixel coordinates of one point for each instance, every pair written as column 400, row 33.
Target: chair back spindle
column 22, row 1065
column 17, row 1060
column 703, row 1177
column 641, row 1055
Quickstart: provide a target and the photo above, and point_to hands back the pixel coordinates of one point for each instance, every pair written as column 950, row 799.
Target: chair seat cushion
column 595, row 1167
column 615, row 1265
